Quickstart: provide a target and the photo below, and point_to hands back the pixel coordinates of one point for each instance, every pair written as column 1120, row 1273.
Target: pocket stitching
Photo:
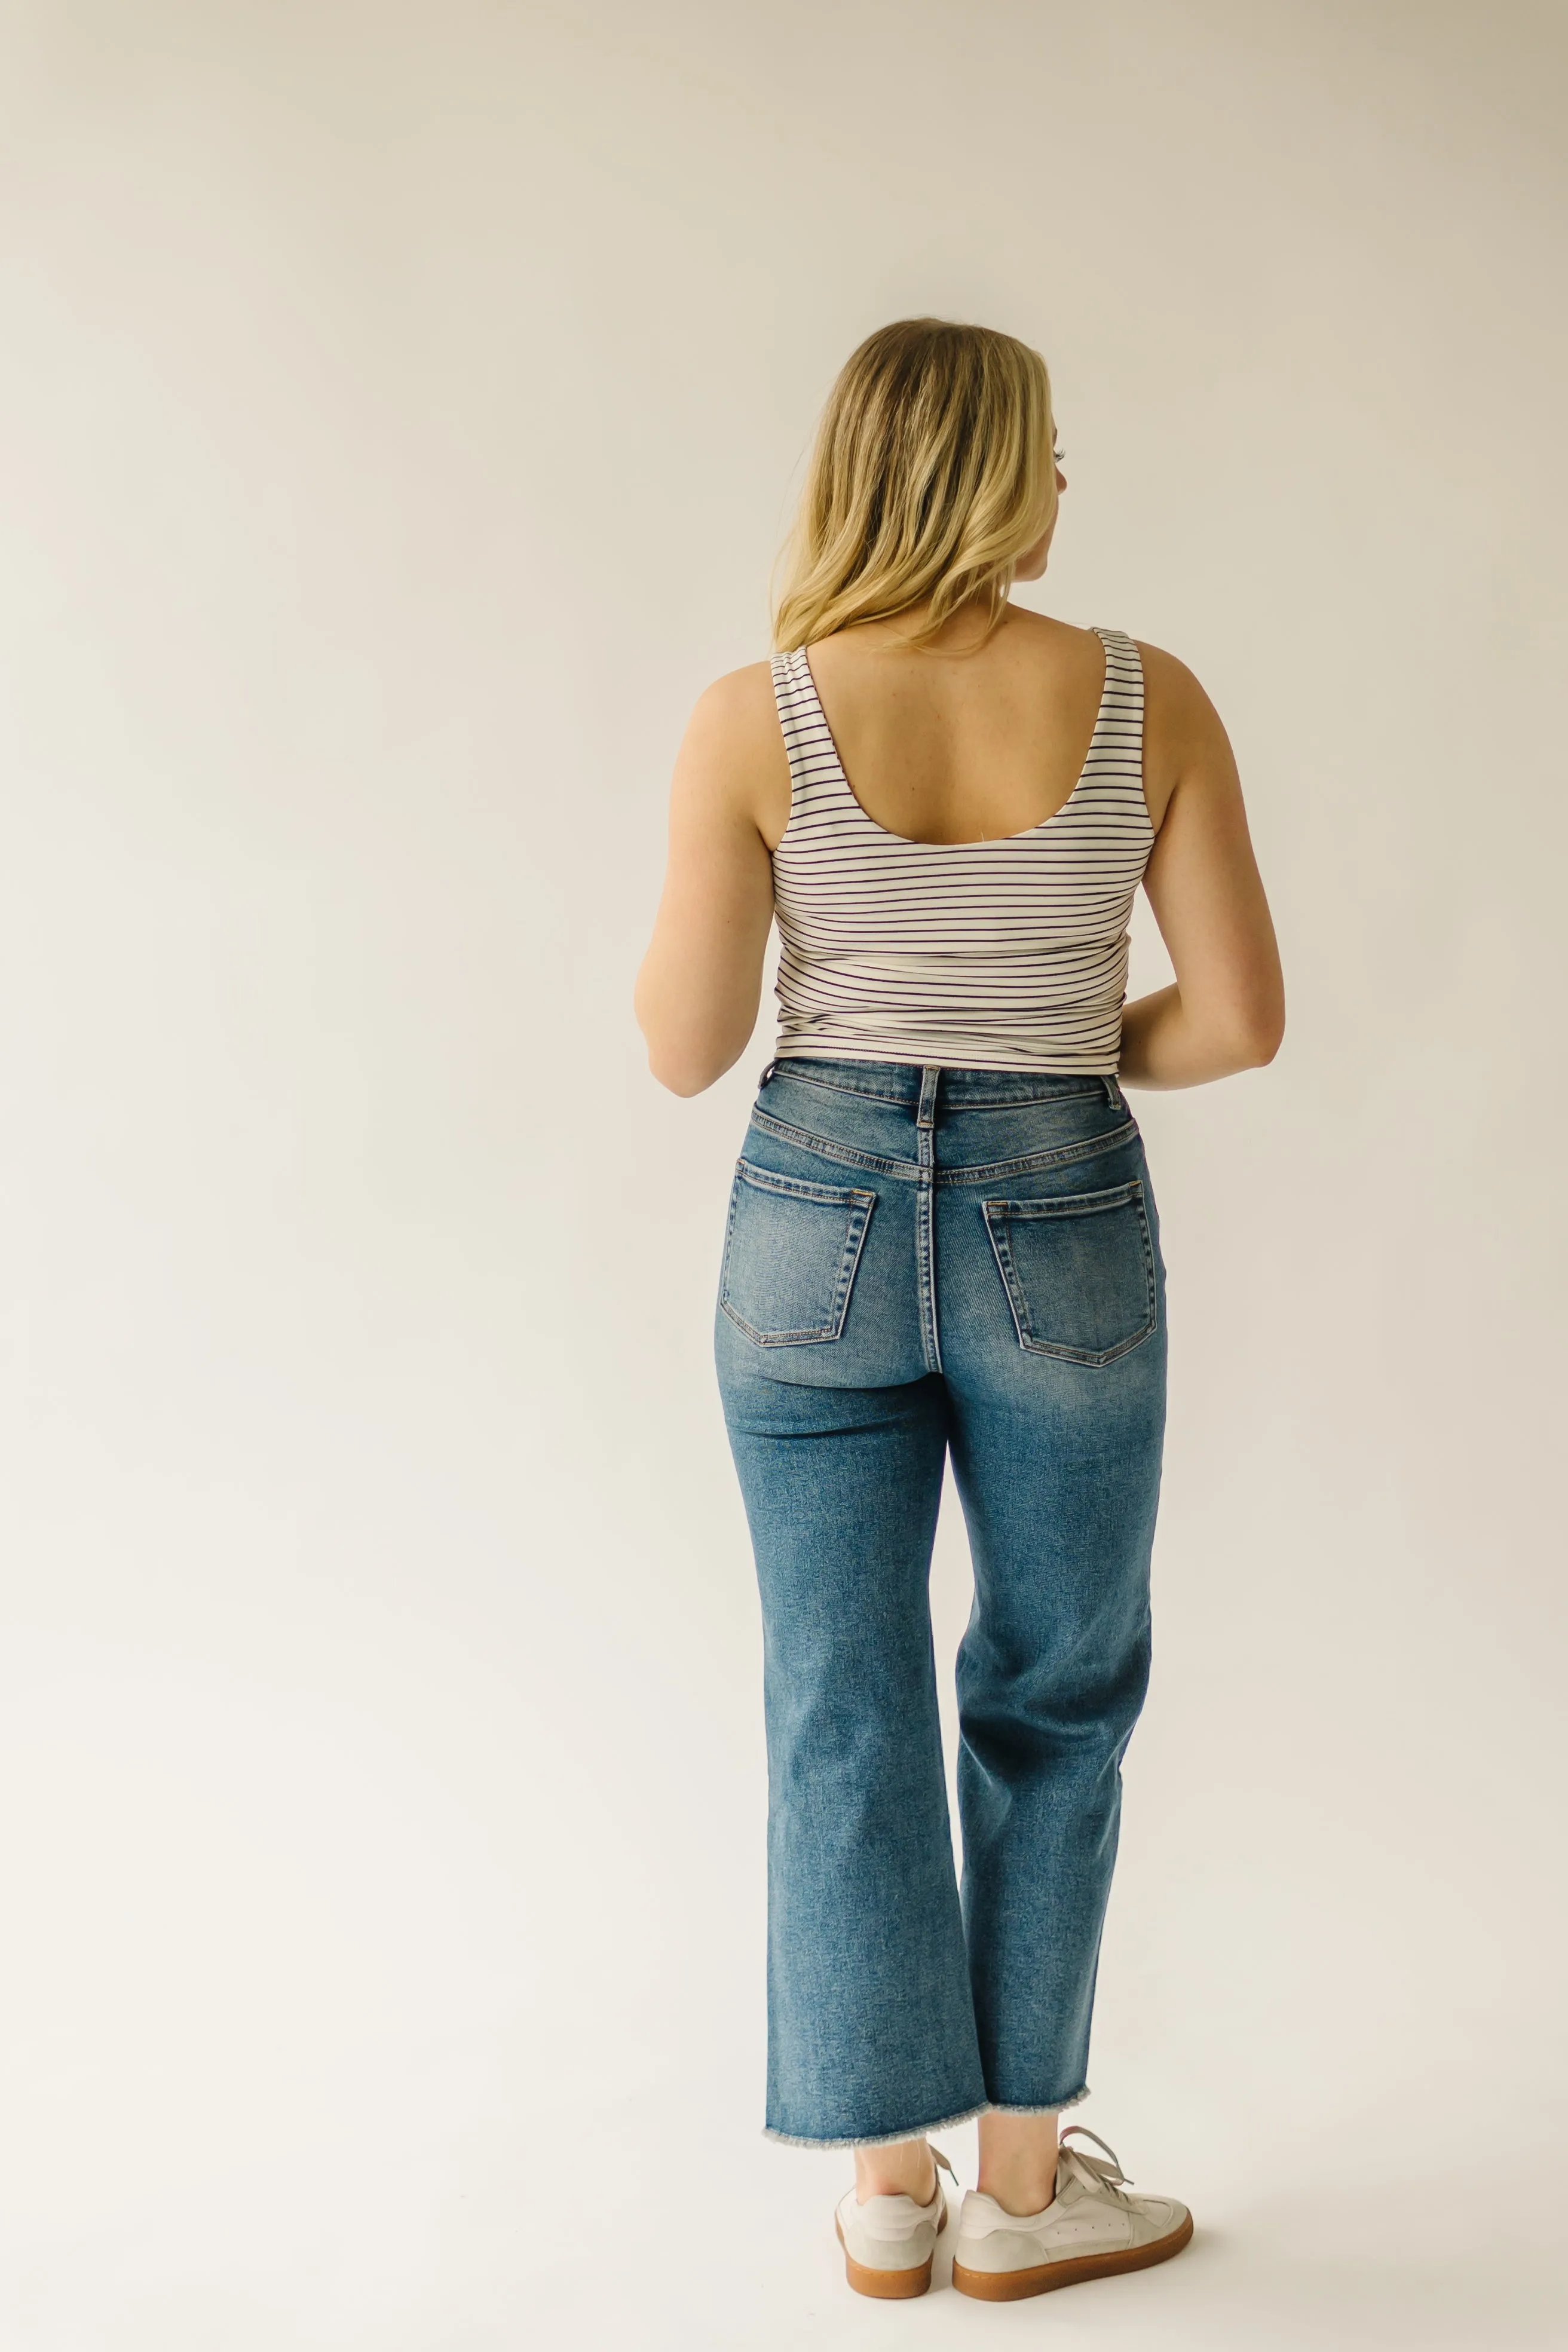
column 859, row 1204
column 1080, row 1205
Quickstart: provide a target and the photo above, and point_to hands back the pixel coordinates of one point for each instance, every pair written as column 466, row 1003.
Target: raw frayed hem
column 1059, row 2107
column 878, row 2139
column 919, row 2131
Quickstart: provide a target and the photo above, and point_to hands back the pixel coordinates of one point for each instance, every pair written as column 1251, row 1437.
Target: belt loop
column 767, row 1074
column 926, row 1115
column 1114, row 1095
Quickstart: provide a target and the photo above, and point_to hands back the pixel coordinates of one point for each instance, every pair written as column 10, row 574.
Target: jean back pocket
column 1078, row 1271
column 790, row 1256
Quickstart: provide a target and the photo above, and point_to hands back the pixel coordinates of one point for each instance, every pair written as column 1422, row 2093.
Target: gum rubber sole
column 888, row 2287
column 1012, row 2286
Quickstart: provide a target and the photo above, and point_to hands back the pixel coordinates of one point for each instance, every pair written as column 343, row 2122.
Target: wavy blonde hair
column 932, row 474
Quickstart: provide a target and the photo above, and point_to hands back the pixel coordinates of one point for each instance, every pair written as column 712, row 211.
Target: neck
column 963, row 632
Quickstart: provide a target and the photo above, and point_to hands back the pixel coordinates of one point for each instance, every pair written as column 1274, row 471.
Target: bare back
column 962, row 742
column 962, row 745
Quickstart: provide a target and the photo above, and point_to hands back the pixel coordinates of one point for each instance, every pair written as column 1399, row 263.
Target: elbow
column 679, row 1077
column 684, row 1055
column 1242, row 1034
column 1260, row 1035
column 670, row 1060
column 681, row 1065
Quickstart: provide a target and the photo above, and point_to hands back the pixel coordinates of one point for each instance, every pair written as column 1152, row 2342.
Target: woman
column 943, row 1242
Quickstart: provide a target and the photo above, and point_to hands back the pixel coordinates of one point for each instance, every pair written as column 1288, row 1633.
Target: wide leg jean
column 921, row 1263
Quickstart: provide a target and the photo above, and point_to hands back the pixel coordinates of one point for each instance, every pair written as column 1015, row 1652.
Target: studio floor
column 436, row 2220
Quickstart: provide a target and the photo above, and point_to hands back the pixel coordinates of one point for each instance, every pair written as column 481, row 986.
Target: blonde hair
column 930, row 476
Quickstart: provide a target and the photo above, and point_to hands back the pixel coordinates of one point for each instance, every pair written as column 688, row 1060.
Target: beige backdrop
column 400, row 409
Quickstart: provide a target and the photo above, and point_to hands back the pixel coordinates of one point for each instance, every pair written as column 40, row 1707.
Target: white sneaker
column 889, row 2241
column 1091, row 2228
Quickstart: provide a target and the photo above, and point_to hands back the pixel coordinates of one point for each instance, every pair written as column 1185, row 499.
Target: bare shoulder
column 732, row 758
column 1183, row 732
column 1168, row 680
column 738, row 701
column 1042, row 634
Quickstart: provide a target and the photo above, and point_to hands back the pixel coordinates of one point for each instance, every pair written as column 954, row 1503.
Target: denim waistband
column 924, row 1086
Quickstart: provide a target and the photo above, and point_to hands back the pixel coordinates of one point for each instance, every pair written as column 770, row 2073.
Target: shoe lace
column 1101, row 2175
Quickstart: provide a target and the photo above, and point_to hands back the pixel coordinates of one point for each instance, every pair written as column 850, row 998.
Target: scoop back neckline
column 995, row 841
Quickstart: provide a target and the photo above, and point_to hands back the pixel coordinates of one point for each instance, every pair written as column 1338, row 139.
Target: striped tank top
column 989, row 955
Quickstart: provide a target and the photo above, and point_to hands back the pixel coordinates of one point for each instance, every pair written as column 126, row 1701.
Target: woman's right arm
column 1225, row 1009
column 702, row 979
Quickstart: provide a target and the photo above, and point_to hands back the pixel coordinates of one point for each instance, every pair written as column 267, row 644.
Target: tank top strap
column 1119, row 728
column 816, row 775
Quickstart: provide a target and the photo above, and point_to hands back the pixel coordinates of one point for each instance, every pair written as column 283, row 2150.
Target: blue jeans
column 922, row 1261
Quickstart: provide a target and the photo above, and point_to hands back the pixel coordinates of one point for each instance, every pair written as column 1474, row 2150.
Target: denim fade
column 922, row 1261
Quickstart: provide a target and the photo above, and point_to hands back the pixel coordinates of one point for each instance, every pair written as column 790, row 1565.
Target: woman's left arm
column 702, row 979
